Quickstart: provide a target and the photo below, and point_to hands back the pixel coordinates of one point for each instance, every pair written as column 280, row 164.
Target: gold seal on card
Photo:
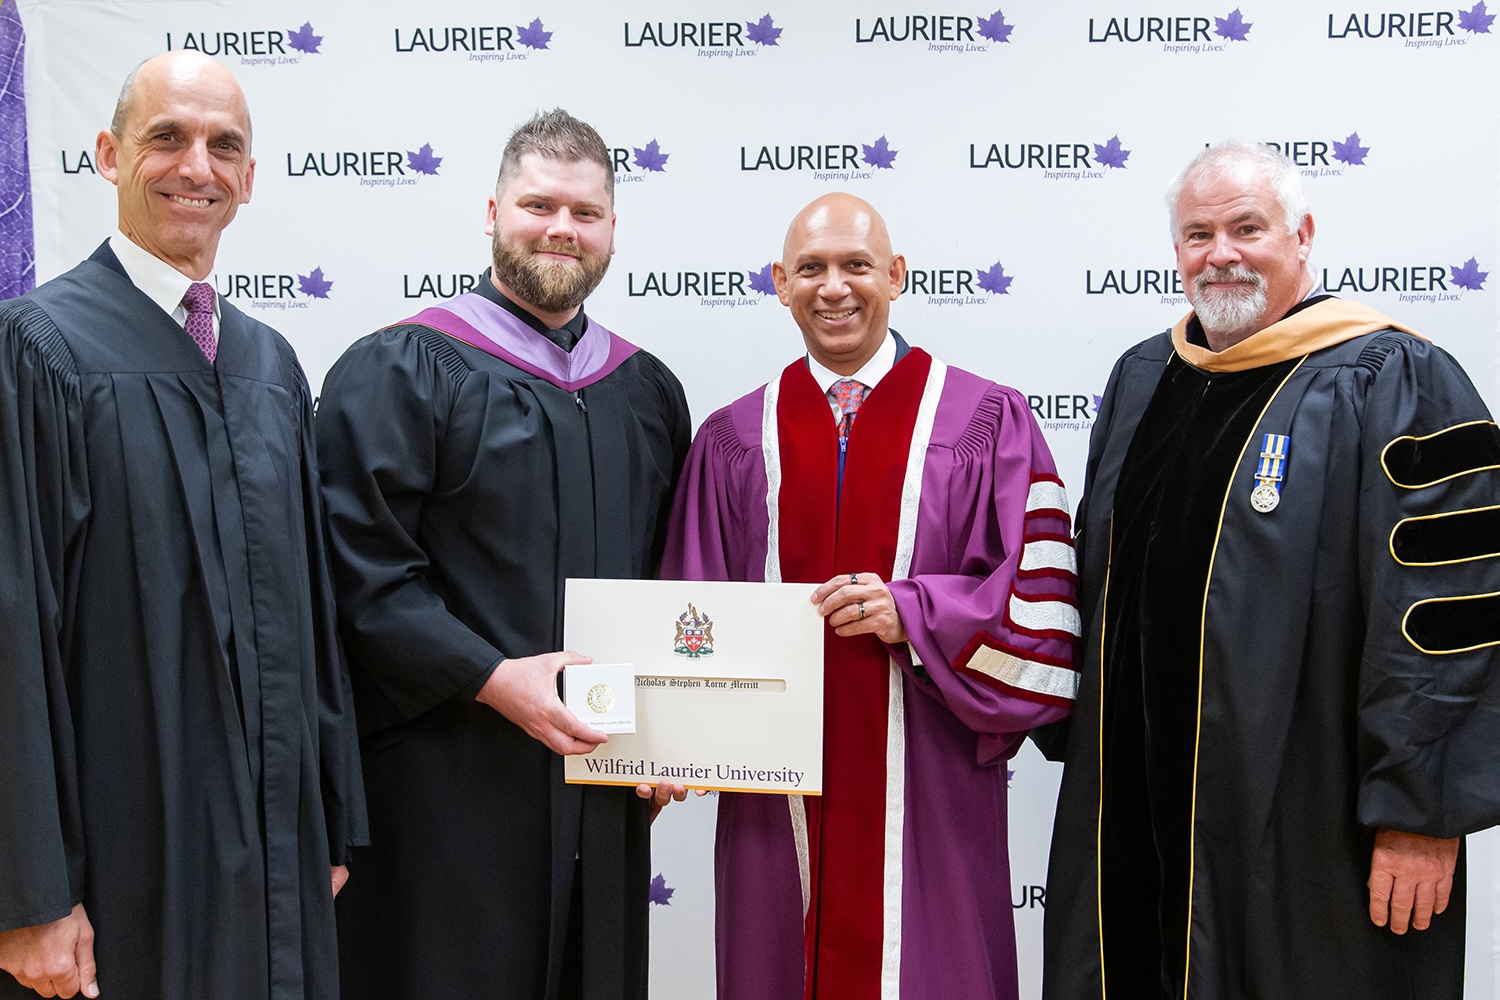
column 601, row 698
column 1265, row 497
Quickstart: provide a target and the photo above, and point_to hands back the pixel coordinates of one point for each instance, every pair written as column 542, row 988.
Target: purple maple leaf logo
column 1469, row 276
column 422, row 161
column 994, row 28
column 533, row 36
column 651, row 158
column 1350, row 151
column 1476, row 20
column 303, row 39
column 314, row 284
column 765, row 32
column 1110, row 154
column 1098, row 401
column 996, row 280
column 1234, row 27
column 879, row 155
column 761, row 281
column 1010, row 775
column 661, row 893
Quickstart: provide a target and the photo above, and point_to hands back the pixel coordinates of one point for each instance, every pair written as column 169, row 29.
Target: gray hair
column 122, row 103
column 1221, row 158
column 556, row 135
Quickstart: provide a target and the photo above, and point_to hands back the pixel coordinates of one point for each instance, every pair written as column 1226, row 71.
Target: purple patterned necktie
column 199, row 303
column 849, row 394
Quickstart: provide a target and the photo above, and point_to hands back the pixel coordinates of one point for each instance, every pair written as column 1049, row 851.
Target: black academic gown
column 462, row 492
column 1247, row 685
column 177, row 747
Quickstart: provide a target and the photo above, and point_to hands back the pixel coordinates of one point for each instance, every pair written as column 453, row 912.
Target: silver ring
column 861, row 610
column 854, row 578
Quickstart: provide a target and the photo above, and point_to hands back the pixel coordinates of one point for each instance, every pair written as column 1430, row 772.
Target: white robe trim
column 1044, row 553
column 1046, row 495
column 895, row 794
column 1025, row 675
column 1045, row 616
column 770, row 447
column 895, row 737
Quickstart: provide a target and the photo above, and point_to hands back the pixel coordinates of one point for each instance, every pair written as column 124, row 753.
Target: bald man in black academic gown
column 177, row 760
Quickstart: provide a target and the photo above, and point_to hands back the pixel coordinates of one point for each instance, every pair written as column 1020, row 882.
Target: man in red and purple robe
column 921, row 503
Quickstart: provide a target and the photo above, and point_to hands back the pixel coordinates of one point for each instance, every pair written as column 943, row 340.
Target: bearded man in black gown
column 475, row 456
column 1290, row 702
column 177, row 746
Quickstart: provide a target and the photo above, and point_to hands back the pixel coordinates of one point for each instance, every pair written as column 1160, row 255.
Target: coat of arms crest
column 695, row 634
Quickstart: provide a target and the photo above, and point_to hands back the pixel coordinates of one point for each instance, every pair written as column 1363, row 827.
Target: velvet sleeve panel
column 991, row 602
column 44, row 503
column 1429, row 687
column 1120, row 407
column 381, row 422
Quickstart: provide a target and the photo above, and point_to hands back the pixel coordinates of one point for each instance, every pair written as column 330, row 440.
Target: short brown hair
column 556, row 135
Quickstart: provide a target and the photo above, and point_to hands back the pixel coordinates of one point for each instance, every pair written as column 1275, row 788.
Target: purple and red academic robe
column 895, row 882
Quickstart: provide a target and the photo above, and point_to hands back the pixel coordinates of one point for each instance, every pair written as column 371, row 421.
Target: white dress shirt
column 157, row 280
column 870, row 373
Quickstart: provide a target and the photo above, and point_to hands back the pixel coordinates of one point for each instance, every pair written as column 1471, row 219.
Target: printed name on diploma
column 712, row 683
column 639, row 768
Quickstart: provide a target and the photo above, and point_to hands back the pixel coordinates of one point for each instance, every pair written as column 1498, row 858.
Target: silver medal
column 1265, row 497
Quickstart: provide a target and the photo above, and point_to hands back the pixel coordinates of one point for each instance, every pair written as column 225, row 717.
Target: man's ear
column 897, row 275
column 107, row 156
column 1305, row 238
column 778, row 277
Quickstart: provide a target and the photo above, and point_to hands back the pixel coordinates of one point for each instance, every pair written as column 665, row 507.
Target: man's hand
column 1411, row 878
column 865, row 605
column 340, row 876
column 524, row 690
column 56, row 959
column 661, row 794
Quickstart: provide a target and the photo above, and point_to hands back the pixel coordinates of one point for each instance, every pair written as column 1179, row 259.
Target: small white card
column 602, row 695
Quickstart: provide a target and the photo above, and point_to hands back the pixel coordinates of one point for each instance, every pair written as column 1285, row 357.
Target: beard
column 1229, row 312
column 551, row 286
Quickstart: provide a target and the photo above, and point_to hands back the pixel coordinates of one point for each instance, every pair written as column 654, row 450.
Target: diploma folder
column 729, row 683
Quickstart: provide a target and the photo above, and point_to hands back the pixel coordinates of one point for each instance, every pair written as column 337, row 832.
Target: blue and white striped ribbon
column 1273, row 452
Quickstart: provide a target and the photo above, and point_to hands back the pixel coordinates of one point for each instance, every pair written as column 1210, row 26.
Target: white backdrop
column 1019, row 155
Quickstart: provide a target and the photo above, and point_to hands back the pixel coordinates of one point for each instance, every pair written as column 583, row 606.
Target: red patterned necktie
column 199, row 303
column 849, row 394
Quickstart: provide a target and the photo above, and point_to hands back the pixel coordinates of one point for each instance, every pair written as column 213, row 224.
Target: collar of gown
column 1322, row 324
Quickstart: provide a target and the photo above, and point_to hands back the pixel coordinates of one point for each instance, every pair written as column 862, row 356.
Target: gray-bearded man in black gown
column 178, row 759
column 1290, row 706
column 474, row 457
